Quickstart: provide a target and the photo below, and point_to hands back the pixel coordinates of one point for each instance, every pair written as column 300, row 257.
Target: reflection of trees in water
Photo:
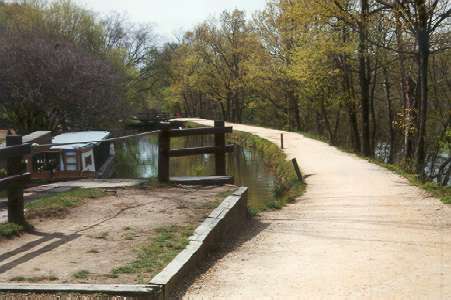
column 139, row 159
column 436, row 166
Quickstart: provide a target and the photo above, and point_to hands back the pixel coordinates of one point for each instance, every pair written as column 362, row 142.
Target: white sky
column 171, row 17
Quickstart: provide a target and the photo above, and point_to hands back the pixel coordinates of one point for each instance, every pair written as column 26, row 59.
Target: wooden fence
column 17, row 178
column 219, row 149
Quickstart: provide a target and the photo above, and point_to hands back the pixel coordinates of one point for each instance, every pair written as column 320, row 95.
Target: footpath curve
column 359, row 231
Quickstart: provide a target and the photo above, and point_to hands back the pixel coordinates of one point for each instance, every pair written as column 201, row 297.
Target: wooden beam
column 111, row 289
column 199, row 131
column 15, row 151
column 200, row 150
column 297, row 169
column 220, row 142
column 14, row 167
column 164, row 144
column 14, row 180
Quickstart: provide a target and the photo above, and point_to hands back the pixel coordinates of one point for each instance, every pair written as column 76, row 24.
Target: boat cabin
column 74, row 155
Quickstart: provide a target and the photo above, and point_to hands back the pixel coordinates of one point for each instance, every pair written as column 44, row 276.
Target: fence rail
column 200, row 131
column 219, row 149
column 200, row 150
column 12, row 181
column 15, row 152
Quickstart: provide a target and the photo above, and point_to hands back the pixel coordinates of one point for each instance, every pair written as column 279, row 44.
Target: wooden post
column 297, row 169
column 281, row 141
column 15, row 192
column 163, row 153
column 220, row 154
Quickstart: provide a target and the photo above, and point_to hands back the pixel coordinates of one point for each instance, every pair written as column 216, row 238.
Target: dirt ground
column 359, row 232
column 103, row 234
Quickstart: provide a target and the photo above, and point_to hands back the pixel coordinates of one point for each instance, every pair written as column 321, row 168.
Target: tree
column 423, row 19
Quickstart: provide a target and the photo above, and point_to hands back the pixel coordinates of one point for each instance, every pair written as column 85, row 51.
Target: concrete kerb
column 222, row 224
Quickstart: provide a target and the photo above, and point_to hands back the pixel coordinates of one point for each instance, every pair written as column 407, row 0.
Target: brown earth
column 103, row 234
column 359, row 232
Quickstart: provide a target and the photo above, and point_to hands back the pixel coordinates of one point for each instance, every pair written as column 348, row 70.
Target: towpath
column 359, row 232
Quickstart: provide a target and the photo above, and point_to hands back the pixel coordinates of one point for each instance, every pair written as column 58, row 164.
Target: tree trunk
column 364, row 80
column 392, row 132
column 423, row 66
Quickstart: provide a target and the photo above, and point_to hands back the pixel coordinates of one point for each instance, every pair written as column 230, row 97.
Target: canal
column 139, row 159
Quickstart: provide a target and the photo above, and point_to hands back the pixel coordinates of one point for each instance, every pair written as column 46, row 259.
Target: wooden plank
column 297, row 169
column 111, row 289
column 14, row 180
column 220, row 165
column 200, row 150
column 14, row 167
column 15, row 151
column 199, row 131
column 202, row 180
column 164, row 144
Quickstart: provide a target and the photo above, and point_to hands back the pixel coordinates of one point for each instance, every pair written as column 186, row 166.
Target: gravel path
column 359, row 231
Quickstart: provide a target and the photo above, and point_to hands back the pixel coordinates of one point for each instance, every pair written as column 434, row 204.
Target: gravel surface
column 359, row 232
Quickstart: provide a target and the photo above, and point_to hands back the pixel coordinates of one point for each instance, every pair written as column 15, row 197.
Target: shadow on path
column 253, row 229
column 59, row 240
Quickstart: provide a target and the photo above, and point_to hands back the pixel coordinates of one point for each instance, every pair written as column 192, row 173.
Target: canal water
column 139, row 159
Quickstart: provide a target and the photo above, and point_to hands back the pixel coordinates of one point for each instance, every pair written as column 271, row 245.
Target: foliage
column 287, row 186
column 64, row 68
column 353, row 72
column 9, row 230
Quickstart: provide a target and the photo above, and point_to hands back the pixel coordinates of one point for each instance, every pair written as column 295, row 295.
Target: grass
column 9, row 230
column 441, row 192
column 82, row 274
column 58, row 205
column 156, row 253
column 287, row 186
column 34, row 279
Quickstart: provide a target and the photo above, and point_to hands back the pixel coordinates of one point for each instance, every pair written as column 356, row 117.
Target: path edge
column 223, row 223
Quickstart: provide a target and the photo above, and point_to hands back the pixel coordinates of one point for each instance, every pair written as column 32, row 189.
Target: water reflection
column 139, row 159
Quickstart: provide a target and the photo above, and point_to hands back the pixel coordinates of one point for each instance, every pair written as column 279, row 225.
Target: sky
column 171, row 17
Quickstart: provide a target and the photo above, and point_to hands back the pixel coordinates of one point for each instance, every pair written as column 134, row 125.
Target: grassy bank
column 287, row 186
column 441, row 192
column 153, row 256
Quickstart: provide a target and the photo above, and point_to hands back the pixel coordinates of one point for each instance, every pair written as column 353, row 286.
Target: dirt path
column 35, row 192
column 359, row 231
column 102, row 234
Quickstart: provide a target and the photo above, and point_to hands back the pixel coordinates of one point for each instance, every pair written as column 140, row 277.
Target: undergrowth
column 287, row 186
column 9, row 230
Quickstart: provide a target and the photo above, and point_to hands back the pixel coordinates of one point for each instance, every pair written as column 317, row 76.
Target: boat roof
column 79, row 139
column 29, row 138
